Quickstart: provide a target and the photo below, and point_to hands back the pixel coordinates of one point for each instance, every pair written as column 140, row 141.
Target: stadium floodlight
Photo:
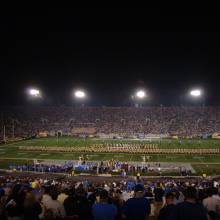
column 140, row 94
column 34, row 92
column 195, row 93
column 80, row 94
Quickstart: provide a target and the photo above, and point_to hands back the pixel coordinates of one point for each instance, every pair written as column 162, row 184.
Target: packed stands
column 46, row 198
column 123, row 121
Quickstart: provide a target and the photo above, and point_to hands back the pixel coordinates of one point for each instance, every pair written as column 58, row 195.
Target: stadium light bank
column 79, row 94
column 196, row 93
column 140, row 94
column 35, row 93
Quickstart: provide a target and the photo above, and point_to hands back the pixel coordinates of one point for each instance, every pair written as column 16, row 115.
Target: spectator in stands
column 62, row 196
column 55, row 206
column 211, row 203
column 14, row 204
column 158, row 197
column 102, row 209
column 190, row 209
column 70, row 205
column 32, row 208
column 83, row 207
column 138, row 207
column 168, row 208
column 46, row 195
column 2, row 208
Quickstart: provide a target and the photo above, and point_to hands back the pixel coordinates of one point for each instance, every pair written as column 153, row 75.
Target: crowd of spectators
column 43, row 198
column 126, row 121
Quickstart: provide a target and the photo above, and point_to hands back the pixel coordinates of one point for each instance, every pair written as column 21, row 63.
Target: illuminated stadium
column 185, row 137
column 109, row 114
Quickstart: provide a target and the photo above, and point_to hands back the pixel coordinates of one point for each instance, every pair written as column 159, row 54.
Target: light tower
column 140, row 94
column 34, row 93
column 195, row 93
column 139, row 97
column 80, row 96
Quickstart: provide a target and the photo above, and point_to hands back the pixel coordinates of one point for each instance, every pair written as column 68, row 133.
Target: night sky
column 109, row 53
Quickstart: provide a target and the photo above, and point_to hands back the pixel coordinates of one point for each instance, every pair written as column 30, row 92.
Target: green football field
column 10, row 154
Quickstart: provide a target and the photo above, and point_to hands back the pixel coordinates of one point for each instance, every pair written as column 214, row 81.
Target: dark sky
column 109, row 53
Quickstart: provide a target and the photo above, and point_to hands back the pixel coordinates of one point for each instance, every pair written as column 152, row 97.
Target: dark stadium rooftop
column 109, row 53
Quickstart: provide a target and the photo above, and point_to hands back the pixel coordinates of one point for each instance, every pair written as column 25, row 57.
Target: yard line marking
column 198, row 157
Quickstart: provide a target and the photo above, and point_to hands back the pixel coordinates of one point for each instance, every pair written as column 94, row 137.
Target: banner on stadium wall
column 87, row 130
column 216, row 135
column 152, row 136
column 42, row 134
column 105, row 136
column 141, row 136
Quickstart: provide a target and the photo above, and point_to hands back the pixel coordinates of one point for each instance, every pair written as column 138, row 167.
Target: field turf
column 9, row 153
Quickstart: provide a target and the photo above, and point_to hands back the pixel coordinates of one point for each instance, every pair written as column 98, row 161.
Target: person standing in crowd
column 138, row 207
column 14, row 204
column 82, row 204
column 103, row 209
column 46, row 195
column 168, row 208
column 158, row 196
column 78, row 204
column 190, row 209
column 211, row 203
column 70, row 205
column 62, row 196
column 2, row 204
column 55, row 206
column 32, row 208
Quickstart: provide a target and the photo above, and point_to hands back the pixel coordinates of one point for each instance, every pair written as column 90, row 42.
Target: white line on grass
column 198, row 158
column 6, row 145
column 118, row 156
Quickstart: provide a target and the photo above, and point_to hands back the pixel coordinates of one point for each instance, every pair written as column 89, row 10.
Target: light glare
column 79, row 94
column 34, row 92
column 140, row 94
column 195, row 93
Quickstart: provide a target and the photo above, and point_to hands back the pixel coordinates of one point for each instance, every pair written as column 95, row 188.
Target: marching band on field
column 131, row 148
